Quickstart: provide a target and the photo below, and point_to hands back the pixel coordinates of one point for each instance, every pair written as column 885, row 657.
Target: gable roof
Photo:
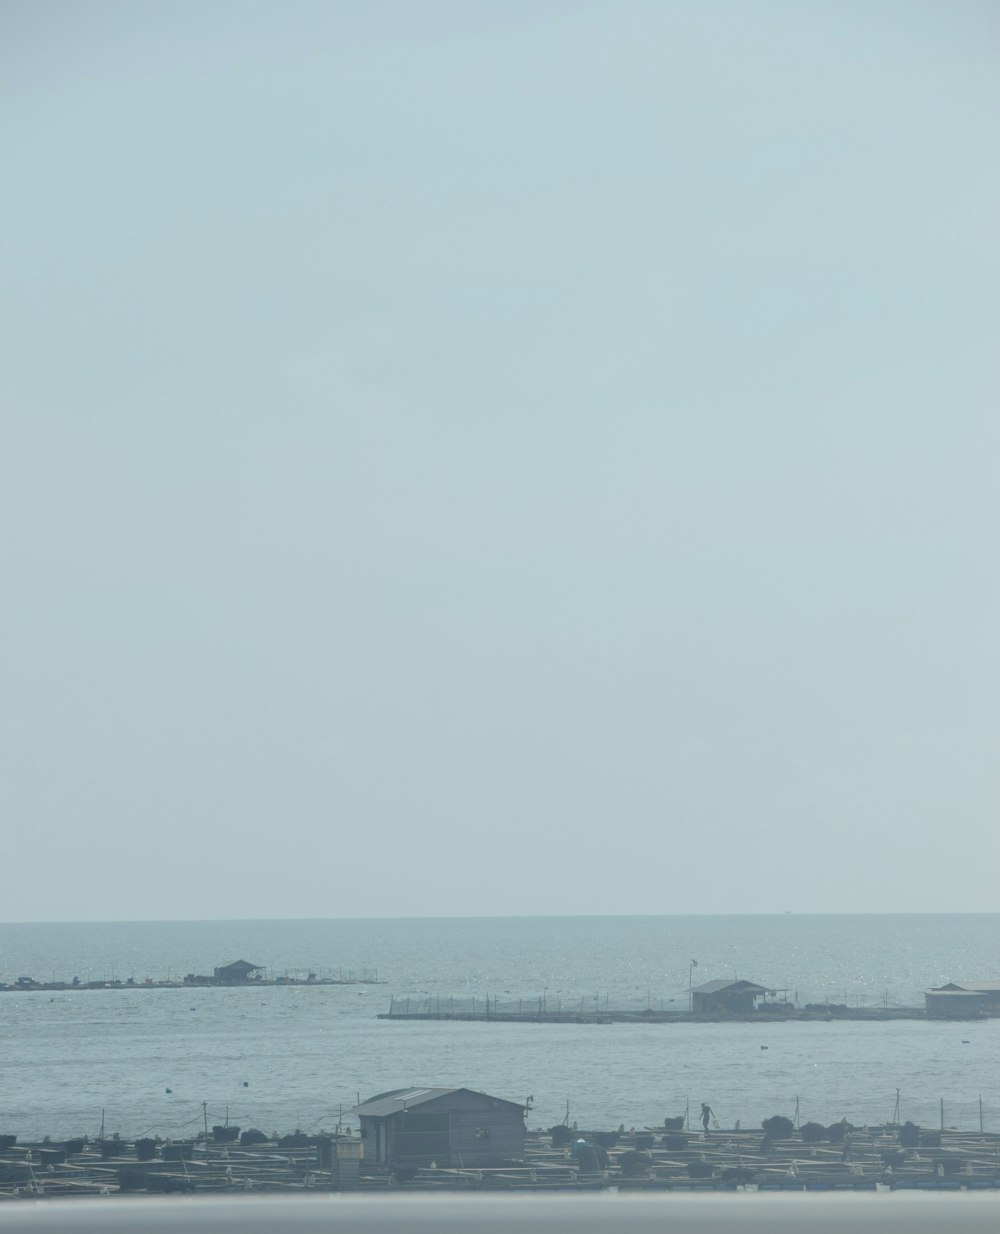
column 239, row 964
column 973, row 987
column 398, row 1099
column 713, row 987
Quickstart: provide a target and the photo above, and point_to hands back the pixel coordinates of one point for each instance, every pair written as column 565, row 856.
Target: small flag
column 694, row 963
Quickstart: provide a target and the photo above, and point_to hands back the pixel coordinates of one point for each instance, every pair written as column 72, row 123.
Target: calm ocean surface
column 287, row 1057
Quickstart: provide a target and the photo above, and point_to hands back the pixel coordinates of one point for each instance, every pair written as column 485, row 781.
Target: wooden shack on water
column 448, row 1126
column 964, row 1000
column 726, row 997
column 239, row 973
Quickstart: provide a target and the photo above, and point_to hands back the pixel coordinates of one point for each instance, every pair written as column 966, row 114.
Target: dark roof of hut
column 974, row 987
column 396, row 1099
column 956, row 992
column 713, row 987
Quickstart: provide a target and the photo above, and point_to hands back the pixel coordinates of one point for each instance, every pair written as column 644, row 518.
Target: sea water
column 299, row 1056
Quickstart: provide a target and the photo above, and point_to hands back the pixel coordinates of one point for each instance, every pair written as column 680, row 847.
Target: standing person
column 707, row 1113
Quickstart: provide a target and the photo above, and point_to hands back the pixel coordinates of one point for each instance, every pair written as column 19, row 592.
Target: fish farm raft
column 239, row 973
column 725, row 999
column 596, row 1011
column 562, row 1159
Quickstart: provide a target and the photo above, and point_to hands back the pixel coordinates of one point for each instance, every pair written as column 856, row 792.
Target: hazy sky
column 498, row 458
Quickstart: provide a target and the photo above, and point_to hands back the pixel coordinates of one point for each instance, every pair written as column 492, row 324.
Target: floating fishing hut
column 449, row 1126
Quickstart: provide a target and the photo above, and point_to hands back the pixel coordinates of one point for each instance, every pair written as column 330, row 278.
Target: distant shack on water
column 964, row 1000
column 239, row 973
column 727, row 997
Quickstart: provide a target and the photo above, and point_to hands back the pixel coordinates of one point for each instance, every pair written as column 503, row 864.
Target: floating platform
column 647, row 1160
column 27, row 985
column 593, row 1011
